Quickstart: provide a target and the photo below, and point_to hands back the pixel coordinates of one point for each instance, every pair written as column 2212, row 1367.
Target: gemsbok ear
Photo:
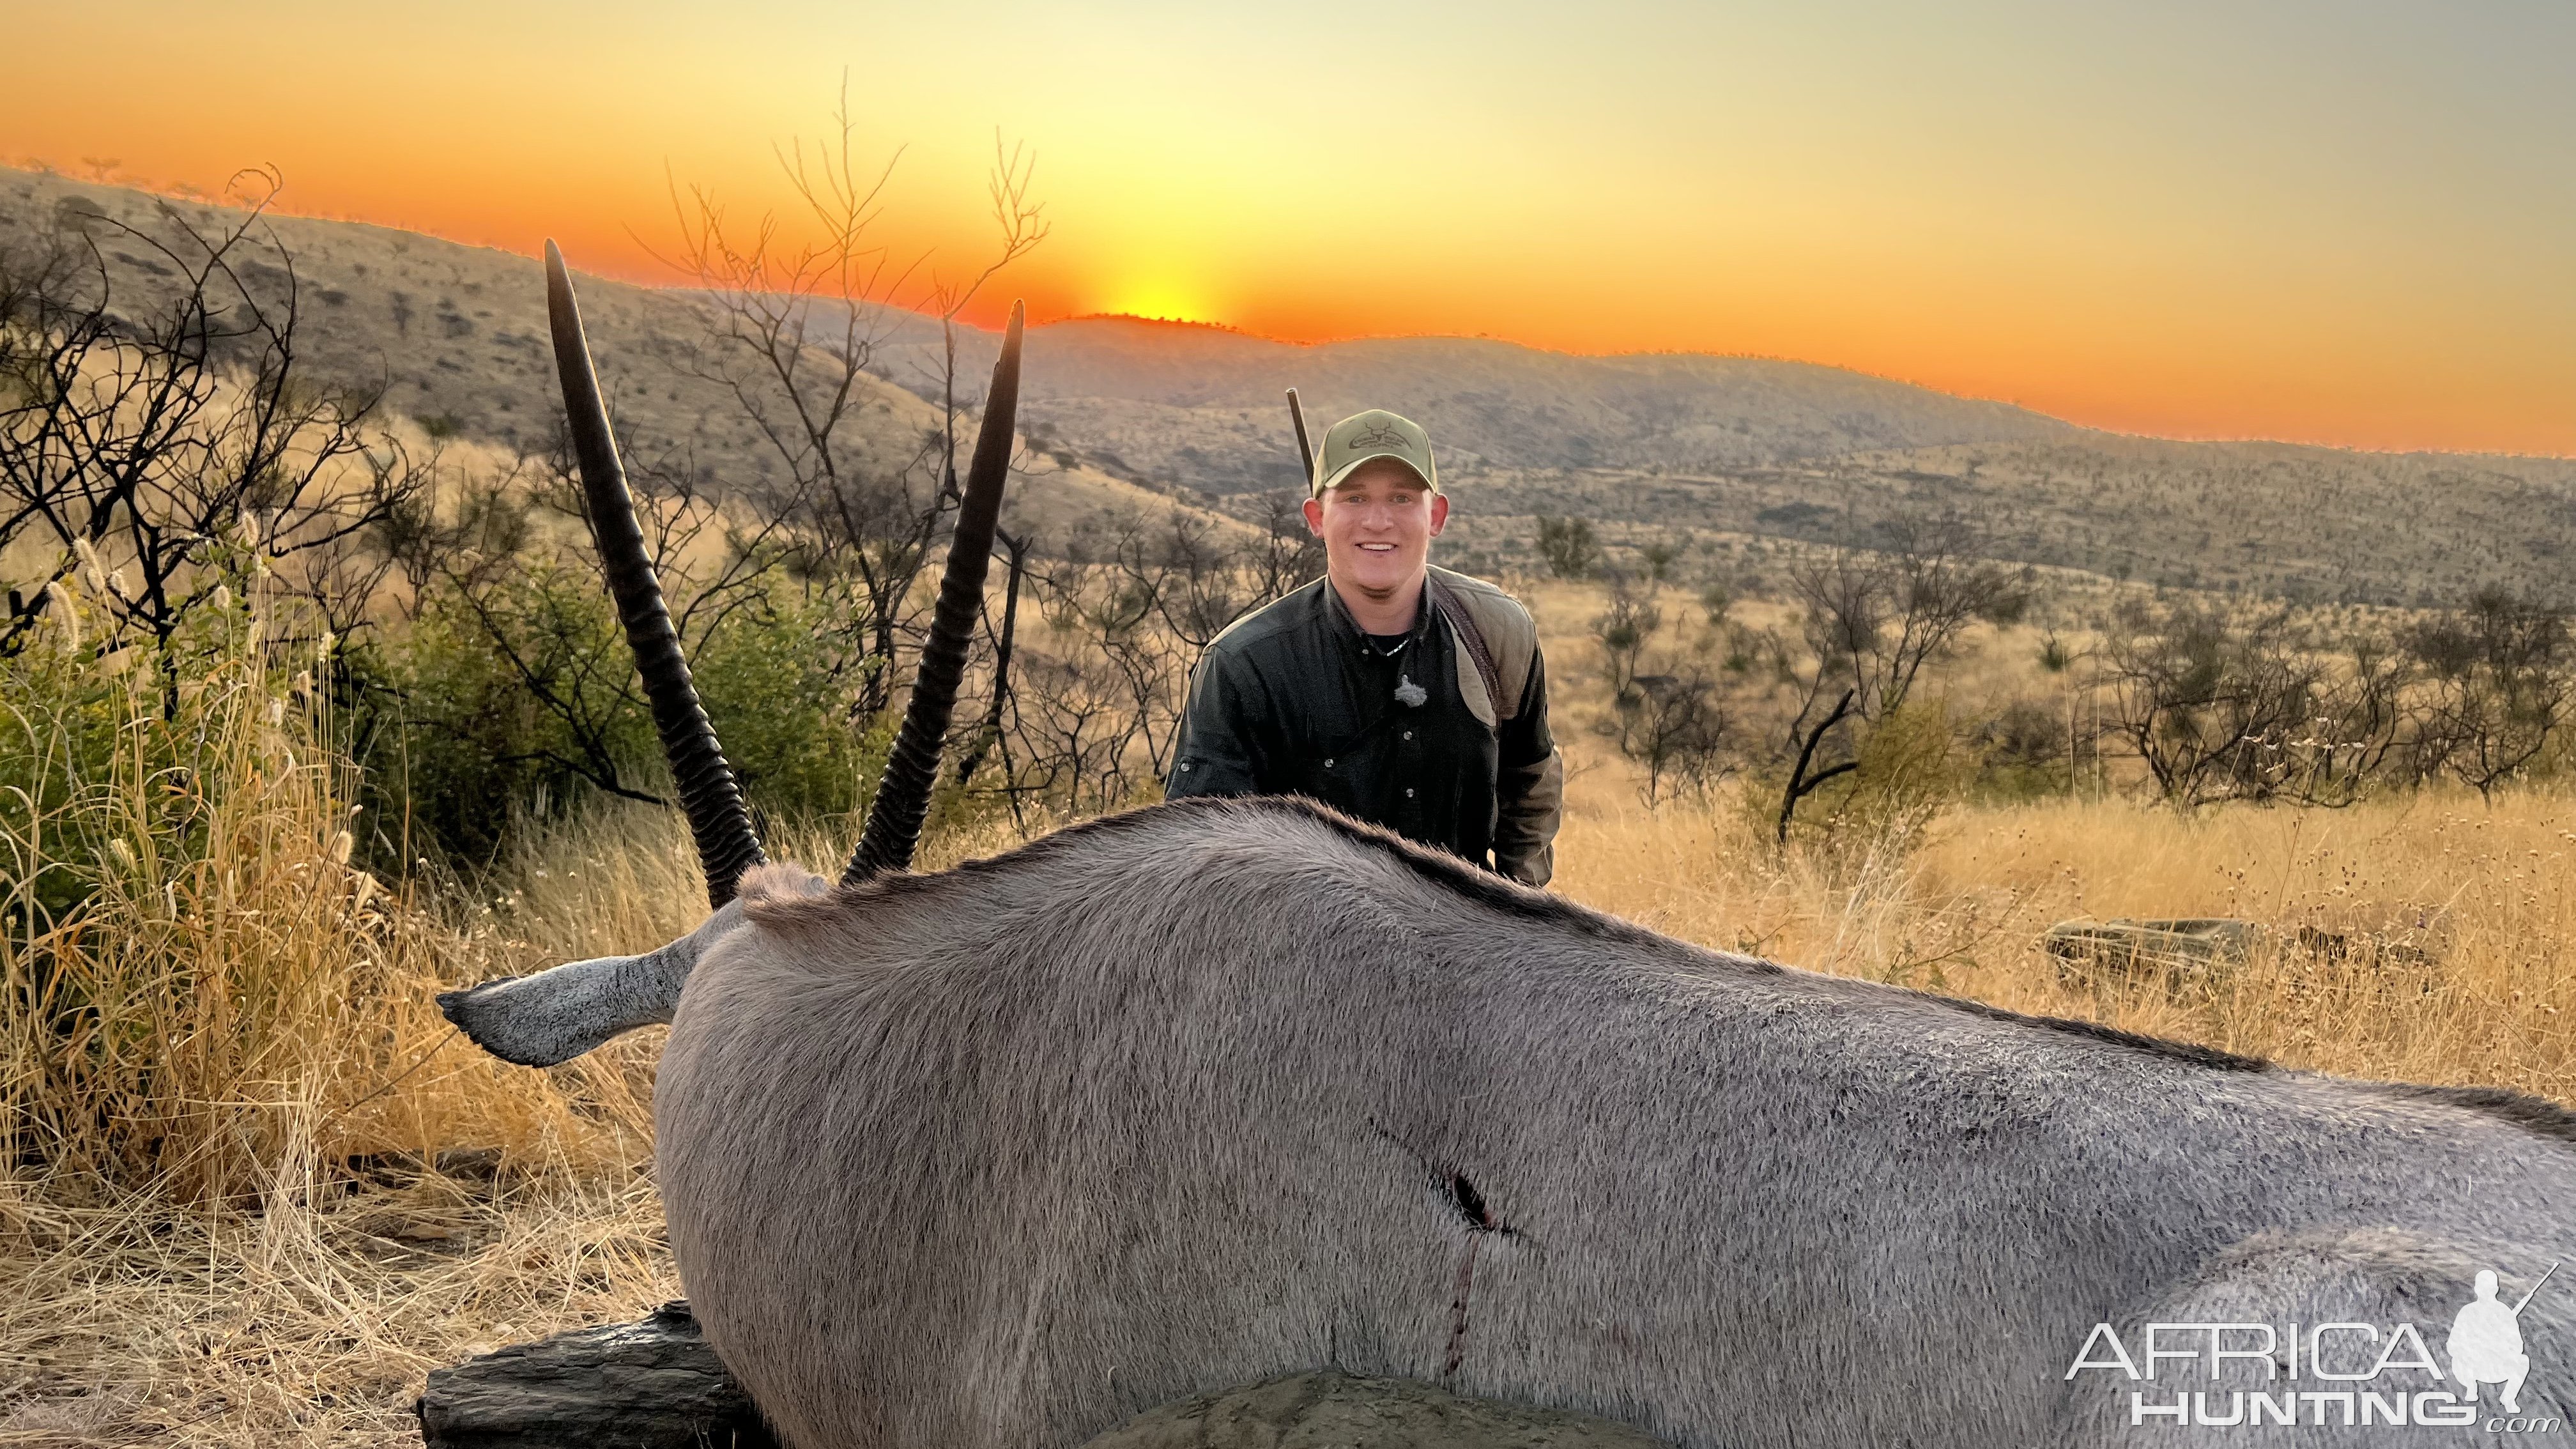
column 903, row 796
column 721, row 825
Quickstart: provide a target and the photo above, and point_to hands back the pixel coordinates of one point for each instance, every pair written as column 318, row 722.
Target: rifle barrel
column 1305, row 450
column 2535, row 1291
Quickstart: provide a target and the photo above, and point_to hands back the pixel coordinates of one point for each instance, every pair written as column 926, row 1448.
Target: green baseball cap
column 1376, row 433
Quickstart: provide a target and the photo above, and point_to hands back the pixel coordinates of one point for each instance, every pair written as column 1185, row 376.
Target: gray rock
column 648, row 1385
column 2180, row 952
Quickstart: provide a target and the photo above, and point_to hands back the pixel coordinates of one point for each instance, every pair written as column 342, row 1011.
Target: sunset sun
column 1161, row 301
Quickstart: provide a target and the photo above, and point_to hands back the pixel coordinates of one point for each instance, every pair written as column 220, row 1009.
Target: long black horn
column 903, row 796
column 727, row 845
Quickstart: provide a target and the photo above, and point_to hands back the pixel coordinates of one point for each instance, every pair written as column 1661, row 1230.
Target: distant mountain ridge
column 1202, row 407
column 1709, row 445
column 1733, row 454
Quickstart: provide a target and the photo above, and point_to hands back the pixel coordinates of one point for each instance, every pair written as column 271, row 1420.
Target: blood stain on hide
column 1481, row 1223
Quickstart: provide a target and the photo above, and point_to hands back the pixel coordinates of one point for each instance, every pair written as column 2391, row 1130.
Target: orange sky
column 2338, row 222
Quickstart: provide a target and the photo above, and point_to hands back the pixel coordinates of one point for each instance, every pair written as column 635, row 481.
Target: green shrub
column 787, row 722
column 520, row 695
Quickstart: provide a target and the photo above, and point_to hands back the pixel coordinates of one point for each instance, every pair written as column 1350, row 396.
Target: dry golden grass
column 367, row 1197
column 2457, row 917
column 222, row 1078
column 2484, row 894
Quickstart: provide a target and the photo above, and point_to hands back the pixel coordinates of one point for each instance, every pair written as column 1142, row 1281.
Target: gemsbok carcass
column 1212, row 1092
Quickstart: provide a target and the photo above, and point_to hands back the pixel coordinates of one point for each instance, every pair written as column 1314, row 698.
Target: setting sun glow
column 2302, row 220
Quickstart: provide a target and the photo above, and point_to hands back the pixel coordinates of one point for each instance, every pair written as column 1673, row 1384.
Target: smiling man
column 1390, row 690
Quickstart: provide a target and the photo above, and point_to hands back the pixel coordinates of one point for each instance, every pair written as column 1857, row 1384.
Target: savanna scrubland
column 314, row 707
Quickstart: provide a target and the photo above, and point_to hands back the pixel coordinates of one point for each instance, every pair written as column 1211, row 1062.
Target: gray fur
column 1220, row 1091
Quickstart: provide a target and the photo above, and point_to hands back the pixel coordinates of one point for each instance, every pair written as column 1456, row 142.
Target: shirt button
column 1408, row 792
column 1408, row 734
column 1185, row 767
column 1328, row 764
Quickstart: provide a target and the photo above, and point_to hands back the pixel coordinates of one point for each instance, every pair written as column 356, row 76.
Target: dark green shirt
column 1295, row 700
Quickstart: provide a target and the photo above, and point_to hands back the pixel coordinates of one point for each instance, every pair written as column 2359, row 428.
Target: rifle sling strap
column 1447, row 601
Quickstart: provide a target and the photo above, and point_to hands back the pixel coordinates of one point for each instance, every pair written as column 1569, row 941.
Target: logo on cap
column 1379, row 435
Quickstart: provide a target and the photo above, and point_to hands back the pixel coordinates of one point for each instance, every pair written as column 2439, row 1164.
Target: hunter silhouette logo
column 1379, row 435
column 2486, row 1341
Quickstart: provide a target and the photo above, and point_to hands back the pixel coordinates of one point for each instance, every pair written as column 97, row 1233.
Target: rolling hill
column 1202, row 407
column 455, row 336
column 1138, row 415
